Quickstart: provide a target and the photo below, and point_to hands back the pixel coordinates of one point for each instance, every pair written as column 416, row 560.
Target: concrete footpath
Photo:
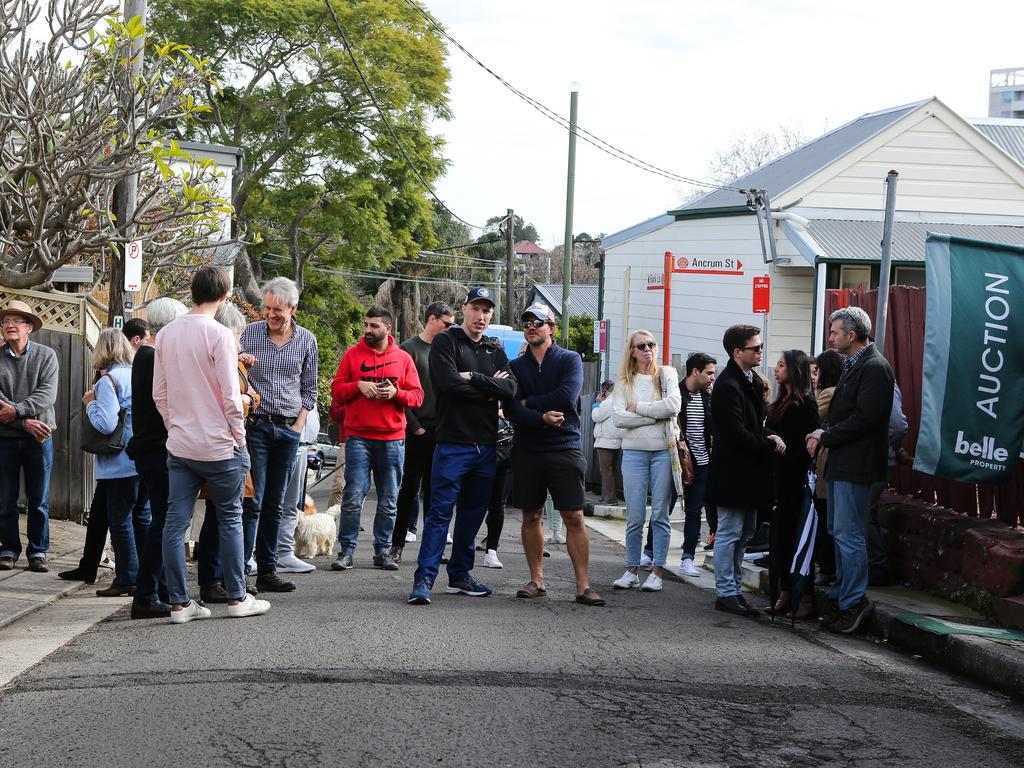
column 947, row 634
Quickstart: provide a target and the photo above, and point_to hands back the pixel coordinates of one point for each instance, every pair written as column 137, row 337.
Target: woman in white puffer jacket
column 607, row 441
column 645, row 406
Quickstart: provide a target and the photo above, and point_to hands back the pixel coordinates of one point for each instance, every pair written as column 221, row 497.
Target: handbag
column 504, row 445
column 99, row 443
column 676, row 448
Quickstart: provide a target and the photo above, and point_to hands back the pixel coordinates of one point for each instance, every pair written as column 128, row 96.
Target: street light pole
column 126, row 191
column 574, row 93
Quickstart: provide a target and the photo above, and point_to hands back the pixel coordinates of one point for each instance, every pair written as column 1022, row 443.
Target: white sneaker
column 107, row 561
column 292, row 564
column 191, row 611
column 491, row 560
column 628, row 580
column 549, row 537
column 249, row 606
column 560, row 536
column 653, row 584
column 410, row 537
column 687, row 568
column 450, row 538
column 646, row 561
column 250, row 567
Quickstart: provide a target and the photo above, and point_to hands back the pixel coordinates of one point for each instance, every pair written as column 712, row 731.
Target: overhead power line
column 369, row 92
column 550, row 114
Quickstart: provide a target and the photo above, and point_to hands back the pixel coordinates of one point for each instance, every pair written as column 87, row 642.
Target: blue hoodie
column 553, row 385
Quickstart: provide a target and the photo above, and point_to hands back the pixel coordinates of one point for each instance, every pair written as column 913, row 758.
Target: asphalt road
column 343, row 672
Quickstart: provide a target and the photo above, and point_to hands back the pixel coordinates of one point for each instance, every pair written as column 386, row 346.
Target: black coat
column 741, row 463
column 857, row 434
column 793, row 425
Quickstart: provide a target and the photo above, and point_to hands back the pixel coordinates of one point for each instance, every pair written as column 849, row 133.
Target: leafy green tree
column 324, row 183
column 581, row 337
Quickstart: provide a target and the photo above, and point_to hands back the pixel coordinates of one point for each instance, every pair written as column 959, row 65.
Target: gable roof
column 529, row 248
column 1005, row 133
column 786, row 172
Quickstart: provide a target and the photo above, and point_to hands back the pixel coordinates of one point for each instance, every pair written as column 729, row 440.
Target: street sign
column 129, row 304
column 708, row 265
column 119, row 322
column 656, row 282
column 600, row 335
column 762, row 295
column 133, row 266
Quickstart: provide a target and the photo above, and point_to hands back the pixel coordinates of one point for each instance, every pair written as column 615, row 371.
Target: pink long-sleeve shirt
column 195, row 388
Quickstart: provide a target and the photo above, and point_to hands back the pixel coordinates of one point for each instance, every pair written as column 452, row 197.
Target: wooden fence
column 70, row 329
column 904, row 349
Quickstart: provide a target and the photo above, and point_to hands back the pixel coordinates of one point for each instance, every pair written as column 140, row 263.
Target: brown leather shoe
column 531, row 590
column 589, row 597
column 806, row 609
column 6, row 563
column 113, row 591
column 38, row 564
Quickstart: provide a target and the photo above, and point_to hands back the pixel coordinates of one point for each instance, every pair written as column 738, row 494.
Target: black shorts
column 535, row 474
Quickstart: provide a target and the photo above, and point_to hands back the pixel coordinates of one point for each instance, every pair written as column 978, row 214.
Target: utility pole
column 510, row 254
column 126, row 191
column 882, row 310
column 570, row 190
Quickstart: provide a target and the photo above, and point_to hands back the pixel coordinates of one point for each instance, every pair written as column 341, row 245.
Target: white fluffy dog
column 316, row 532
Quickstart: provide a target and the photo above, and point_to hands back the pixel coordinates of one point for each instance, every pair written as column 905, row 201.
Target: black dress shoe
column 751, row 611
column 113, row 591
column 38, row 564
column 157, row 610
column 731, row 605
column 78, row 574
column 251, row 589
column 214, row 593
column 271, row 582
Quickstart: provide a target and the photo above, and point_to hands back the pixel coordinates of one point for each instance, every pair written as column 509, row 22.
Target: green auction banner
column 972, row 393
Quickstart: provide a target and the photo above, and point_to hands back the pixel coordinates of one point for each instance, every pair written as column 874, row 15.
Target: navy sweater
column 554, row 385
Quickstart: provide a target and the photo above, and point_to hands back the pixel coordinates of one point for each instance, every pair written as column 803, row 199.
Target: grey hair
column 854, row 319
column 229, row 316
column 160, row 312
column 284, row 289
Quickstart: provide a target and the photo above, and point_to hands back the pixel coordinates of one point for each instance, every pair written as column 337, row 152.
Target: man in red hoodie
column 377, row 381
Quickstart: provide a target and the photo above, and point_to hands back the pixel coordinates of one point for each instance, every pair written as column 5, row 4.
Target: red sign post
column 762, row 295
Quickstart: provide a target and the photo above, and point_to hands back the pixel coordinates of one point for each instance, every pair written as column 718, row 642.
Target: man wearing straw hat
column 28, row 390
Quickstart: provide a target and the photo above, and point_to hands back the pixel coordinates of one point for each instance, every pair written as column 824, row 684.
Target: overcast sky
column 672, row 82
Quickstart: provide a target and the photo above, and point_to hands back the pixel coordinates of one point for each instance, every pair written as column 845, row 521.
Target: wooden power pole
column 510, row 254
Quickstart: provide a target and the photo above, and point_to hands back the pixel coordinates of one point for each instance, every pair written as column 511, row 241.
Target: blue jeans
column 150, row 585
column 272, row 452
column 225, row 481
column 384, row 459
column 461, row 476
column 640, row 470
column 28, row 455
column 847, row 511
column 736, row 526
column 121, row 495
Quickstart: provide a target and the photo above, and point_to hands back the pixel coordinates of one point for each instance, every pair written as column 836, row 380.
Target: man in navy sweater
column 547, row 455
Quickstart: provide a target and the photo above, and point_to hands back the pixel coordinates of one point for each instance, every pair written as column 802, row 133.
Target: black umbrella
column 803, row 555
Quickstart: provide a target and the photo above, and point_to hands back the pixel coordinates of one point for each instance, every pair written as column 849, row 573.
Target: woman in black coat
column 792, row 416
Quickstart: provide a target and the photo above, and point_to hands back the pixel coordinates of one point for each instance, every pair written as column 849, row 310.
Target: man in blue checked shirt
column 284, row 374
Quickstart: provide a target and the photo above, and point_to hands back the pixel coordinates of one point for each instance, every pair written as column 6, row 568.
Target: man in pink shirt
column 195, row 388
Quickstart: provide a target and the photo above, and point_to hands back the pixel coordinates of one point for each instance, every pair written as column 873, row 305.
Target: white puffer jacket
column 606, row 434
column 645, row 430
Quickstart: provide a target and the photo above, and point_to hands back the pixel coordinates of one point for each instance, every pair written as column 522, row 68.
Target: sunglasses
column 534, row 323
column 448, row 323
column 645, row 345
column 755, row 348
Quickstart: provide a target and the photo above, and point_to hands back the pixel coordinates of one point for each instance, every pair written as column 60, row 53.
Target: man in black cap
column 470, row 375
column 547, row 454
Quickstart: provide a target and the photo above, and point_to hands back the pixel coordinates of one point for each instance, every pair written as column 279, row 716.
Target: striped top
column 695, row 430
column 284, row 376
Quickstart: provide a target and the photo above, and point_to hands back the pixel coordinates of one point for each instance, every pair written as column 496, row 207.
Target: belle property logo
column 984, row 454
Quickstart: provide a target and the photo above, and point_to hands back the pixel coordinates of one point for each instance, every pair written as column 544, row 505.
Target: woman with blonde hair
column 117, row 482
column 645, row 404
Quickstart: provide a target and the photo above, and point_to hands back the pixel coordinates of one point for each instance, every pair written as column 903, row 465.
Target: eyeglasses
column 534, row 323
column 755, row 348
column 13, row 321
column 448, row 323
column 645, row 345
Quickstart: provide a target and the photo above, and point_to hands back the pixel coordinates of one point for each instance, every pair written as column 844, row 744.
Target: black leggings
column 496, row 506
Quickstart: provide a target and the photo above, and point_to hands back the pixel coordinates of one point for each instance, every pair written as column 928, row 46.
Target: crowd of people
column 198, row 403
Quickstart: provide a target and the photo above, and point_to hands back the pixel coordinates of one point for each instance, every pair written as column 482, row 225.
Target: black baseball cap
column 479, row 294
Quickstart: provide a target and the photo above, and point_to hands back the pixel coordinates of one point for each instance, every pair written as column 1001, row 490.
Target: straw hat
column 15, row 307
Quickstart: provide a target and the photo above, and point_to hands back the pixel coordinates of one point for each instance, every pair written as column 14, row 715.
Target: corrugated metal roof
column 618, row 238
column 789, row 170
column 852, row 240
column 1006, row 134
column 582, row 298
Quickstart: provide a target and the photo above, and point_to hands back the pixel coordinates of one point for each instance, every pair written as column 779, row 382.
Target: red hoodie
column 376, row 419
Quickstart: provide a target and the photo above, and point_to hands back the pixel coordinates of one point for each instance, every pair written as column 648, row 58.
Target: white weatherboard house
column 828, row 200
